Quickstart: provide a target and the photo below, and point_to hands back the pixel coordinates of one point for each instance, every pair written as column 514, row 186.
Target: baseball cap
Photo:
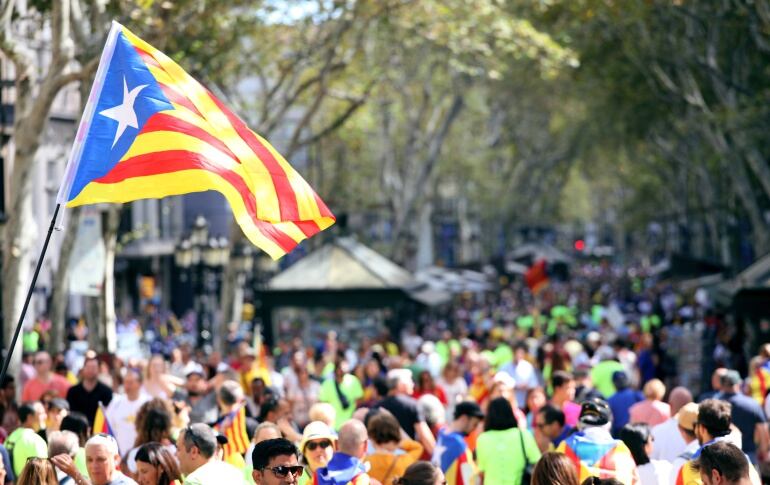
column 59, row 403
column 620, row 379
column 687, row 416
column 195, row 369
column 730, row 378
column 505, row 379
column 468, row 408
column 595, row 412
column 316, row 430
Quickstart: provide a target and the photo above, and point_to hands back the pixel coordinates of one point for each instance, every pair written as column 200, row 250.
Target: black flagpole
column 9, row 353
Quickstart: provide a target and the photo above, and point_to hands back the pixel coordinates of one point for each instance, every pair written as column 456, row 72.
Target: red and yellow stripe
column 200, row 145
column 237, row 436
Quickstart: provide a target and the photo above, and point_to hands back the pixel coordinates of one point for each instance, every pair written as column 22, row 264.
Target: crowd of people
column 595, row 380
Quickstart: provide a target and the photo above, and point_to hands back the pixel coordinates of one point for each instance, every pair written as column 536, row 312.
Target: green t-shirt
column 248, row 479
column 80, row 461
column 351, row 388
column 442, row 349
column 503, row 354
column 305, row 478
column 30, row 341
column 601, row 374
column 525, row 322
column 22, row 444
column 491, row 445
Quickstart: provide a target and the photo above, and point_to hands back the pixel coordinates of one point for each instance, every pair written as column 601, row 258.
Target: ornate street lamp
column 202, row 257
column 242, row 258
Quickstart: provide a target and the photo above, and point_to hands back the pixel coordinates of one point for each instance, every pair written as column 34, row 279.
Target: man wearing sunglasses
column 196, row 450
column 722, row 463
column 275, row 463
column 713, row 425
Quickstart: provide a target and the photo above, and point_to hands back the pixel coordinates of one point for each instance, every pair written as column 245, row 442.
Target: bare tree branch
column 340, row 120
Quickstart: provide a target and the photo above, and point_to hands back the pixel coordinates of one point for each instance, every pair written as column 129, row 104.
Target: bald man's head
column 679, row 397
column 352, row 438
column 716, row 378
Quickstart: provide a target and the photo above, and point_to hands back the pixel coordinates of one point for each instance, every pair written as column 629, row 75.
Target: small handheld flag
column 149, row 130
column 233, row 426
column 101, row 425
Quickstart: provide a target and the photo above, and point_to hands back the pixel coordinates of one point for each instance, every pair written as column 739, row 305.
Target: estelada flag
column 101, row 425
column 233, row 426
column 149, row 130
column 536, row 276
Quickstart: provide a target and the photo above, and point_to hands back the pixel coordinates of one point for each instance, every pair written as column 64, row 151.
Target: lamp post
column 202, row 257
column 242, row 260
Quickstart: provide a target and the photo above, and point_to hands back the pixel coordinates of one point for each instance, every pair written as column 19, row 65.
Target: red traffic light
column 580, row 245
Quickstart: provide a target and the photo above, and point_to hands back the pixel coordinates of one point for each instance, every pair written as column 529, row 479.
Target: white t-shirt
column 215, row 472
column 655, row 472
column 525, row 375
column 302, row 399
column 680, row 460
column 121, row 414
column 668, row 442
column 455, row 391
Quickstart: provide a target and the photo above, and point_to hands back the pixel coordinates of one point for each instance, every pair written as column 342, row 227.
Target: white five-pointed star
column 438, row 453
column 124, row 113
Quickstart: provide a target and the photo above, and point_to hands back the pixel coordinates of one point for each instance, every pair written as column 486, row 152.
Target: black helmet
column 595, row 412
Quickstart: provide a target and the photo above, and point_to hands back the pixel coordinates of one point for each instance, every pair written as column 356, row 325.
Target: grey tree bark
column 60, row 287
column 35, row 93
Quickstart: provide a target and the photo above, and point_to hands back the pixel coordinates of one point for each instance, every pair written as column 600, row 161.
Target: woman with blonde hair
column 38, row 471
column 157, row 381
column 652, row 410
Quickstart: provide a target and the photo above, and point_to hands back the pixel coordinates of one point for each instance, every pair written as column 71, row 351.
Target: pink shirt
column 571, row 413
column 35, row 388
column 650, row 412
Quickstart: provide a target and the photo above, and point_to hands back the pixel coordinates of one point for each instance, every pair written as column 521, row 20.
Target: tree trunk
column 60, row 285
column 416, row 188
column 34, row 95
column 229, row 291
column 93, row 314
column 742, row 186
column 425, row 255
column 20, row 234
column 110, row 230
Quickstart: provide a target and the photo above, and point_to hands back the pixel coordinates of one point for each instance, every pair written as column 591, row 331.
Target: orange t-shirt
column 35, row 388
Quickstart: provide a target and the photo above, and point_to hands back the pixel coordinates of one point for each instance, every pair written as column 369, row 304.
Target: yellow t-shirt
column 386, row 466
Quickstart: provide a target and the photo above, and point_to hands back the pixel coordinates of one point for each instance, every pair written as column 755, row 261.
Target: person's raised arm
column 762, row 438
column 65, row 463
column 424, row 436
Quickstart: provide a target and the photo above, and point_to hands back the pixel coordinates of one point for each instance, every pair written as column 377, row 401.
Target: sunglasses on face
column 283, row 470
column 315, row 444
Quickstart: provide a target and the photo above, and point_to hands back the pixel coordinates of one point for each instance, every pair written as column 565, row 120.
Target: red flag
column 536, row 276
